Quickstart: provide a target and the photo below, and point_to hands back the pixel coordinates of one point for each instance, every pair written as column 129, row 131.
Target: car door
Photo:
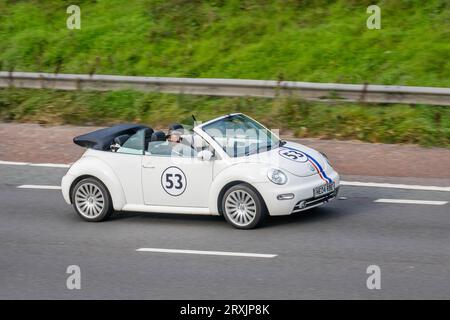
column 176, row 179
column 126, row 164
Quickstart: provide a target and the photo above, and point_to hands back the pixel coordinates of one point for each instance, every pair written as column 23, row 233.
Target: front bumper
column 314, row 202
column 301, row 188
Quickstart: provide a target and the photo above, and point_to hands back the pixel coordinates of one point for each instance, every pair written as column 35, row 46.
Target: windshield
column 240, row 135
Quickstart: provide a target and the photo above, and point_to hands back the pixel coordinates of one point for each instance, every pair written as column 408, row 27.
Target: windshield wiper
column 281, row 143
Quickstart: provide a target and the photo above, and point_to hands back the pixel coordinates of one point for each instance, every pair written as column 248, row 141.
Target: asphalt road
column 323, row 253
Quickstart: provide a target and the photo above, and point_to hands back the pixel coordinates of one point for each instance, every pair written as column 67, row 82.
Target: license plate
column 326, row 188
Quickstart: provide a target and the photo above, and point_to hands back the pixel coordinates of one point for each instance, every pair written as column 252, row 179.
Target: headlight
column 277, row 176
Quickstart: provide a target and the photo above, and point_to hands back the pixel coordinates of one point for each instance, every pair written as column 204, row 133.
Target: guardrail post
column 363, row 92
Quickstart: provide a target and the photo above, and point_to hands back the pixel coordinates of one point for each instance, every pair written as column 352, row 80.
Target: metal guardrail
column 231, row 87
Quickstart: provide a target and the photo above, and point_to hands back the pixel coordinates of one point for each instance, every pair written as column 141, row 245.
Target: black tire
column 231, row 214
column 78, row 203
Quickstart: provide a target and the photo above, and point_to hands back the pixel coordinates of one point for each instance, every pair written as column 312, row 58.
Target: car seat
column 158, row 144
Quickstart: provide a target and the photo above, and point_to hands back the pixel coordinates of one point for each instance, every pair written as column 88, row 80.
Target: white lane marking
column 13, row 163
column 434, row 203
column 37, row 186
column 52, row 165
column 214, row 253
column 343, row 183
column 394, row 186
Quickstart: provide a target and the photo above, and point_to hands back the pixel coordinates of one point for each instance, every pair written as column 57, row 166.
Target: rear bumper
column 302, row 190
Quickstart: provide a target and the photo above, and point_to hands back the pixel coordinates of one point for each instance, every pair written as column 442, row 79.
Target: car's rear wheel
column 91, row 200
column 243, row 208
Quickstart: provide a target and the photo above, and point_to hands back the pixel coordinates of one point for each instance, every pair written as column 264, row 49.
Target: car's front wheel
column 243, row 208
column 91, row 200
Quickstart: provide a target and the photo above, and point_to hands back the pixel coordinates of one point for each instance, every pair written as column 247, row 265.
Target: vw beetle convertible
column 231, row 166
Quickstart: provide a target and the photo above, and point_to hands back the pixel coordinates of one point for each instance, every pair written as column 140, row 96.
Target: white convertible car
column 231, row 166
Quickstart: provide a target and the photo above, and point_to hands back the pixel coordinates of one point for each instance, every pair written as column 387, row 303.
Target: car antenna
column 193, row 117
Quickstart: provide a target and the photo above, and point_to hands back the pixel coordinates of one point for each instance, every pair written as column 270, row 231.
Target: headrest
column 121, row 139
column 148, row 133
column 175, row 126
column 158, row 136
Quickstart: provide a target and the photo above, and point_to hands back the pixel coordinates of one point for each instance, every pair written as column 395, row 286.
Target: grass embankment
column 319, row 40
column 428, row 126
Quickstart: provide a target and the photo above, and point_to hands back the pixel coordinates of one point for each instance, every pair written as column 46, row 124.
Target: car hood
column 294, row 158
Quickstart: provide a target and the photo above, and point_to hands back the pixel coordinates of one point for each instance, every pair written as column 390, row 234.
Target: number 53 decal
column 173, row 181
column 294, row 155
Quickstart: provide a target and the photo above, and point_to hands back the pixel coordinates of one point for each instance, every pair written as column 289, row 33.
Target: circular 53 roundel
column 173, row 181
column 294, row 155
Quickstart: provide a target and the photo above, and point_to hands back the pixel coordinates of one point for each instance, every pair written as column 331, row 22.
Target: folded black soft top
column 103, row 138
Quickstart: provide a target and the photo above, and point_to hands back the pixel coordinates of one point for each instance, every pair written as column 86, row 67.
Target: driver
column 178, row 144
column 174, row 137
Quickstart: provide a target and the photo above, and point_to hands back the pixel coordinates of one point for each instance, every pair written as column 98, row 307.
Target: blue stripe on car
column 315, row 161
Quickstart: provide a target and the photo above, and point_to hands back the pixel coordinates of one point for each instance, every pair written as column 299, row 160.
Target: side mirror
column 205, row 155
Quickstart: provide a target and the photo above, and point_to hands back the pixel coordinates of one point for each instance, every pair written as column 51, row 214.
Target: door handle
column 148, row 165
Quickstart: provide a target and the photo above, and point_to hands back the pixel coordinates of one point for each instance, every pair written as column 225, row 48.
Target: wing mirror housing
column 205, row 155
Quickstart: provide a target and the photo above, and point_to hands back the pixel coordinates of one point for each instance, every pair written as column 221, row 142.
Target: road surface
column 321, row 254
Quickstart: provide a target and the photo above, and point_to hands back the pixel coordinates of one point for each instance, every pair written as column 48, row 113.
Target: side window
column 134, row 144
column 159, row 148
column 189, row 146
column 183, row 149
